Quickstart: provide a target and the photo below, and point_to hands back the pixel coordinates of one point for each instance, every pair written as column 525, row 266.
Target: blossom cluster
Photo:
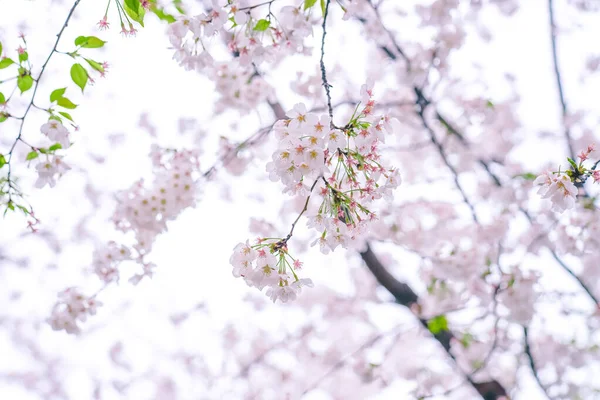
column 562, row 187
column 250, row 39
column 72, row 307
column 343, row 162
column 268, row 264
column 146, row 210
column 239, row 87
column 107, row 259
column 253, row 39
column 344, row 166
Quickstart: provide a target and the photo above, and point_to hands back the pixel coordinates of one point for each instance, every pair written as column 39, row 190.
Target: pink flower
column 596, row 176
column 103, row 24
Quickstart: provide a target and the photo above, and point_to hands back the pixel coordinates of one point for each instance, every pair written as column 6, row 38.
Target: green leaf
column 66, row 115
column 79, row 75
column 134, row 9
column 309, row 3
column 178, row 7
column 24, row 83
column 262, row 25
column 55, row 146
column 2, row 159
column 57, row 94
column 94, row 64
column 466, row 340
column 489, row 104
column 323, row 6
column 0, row 47
column 31, row 155
column 162, row 15
column 527, row 176
column 66, row 103
column 573, row 163
column 22, row 208
column 23, row 57
column 2, row 98
column 5, row 62
column 437, row 324
column 55, row 118
column 89, row 42
column 42, row 150
column 3, row 116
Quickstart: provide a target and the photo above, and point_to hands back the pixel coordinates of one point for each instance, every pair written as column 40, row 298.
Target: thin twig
column 532, row 361
column 37, row 84
column 323, row 71
column 558, row 77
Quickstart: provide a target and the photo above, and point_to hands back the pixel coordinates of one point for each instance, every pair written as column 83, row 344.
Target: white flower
column 559, row 188
column 56, row 132
column 50, row 170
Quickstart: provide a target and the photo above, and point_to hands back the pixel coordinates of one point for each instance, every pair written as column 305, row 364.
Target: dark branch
column 532, row 361
column 323, row 71
column 558, row 77
column 404, row 295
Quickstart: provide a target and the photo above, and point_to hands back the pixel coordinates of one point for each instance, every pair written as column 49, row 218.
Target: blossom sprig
column 269, row 264
column 346, row 160
column 562, row 187
column 71, row 308
column 129, row 11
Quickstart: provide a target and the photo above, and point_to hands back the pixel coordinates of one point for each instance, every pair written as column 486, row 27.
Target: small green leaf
column 437, row 324
column 573, row 163
column 0, row 47
column 178, row 6
column 22, row 208
column 66, row 115
column 134, row 9
column 55, row 146
column 2, row 161
column 162, row 15
column 56, row 118
column 5, row 62
column 89, row 42
column 24, row 83
column 527, row 176
column 2, row 98
column 57, row 94
column 79, row 75
column 94, row 64
column 3, row 116
column 309, row 3
column 10, row 205
column 489, row 104
column 66, row 103
column 43, row 150
column 23, row 57
column 323, row 6
column 31, row 155
column 262, row 25
column 466, row 340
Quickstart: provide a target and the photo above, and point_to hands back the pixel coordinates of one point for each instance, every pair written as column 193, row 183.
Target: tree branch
column 404, row 295
column 558, row 77
column 532, row 361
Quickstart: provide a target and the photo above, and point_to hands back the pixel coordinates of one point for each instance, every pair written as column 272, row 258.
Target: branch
column 423, row 103
column 557, row 74
column 37, row 84
column 323, row 71
column 532, row 361
column 404, row 295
